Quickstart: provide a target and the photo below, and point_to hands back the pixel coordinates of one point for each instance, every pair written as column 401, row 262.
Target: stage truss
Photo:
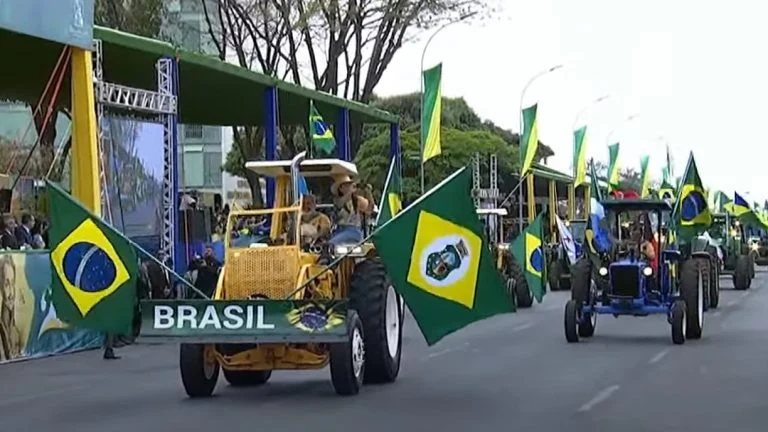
column 163, row 105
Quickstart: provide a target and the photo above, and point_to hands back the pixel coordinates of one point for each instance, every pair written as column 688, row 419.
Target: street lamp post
column 421, row 86
column 584, row 110
column 520, row 140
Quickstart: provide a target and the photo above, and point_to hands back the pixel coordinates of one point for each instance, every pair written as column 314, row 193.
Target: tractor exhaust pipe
column 295, row 162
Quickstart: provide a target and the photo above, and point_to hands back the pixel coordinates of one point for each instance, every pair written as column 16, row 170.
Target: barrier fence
column 29, row 327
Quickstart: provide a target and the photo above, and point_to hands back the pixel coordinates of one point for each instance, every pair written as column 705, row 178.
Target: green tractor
column 734, row 255
column 559, row 267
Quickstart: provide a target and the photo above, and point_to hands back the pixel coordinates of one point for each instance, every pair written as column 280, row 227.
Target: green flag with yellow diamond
column 613, row 167
column 528, row 252
column 391, row 203
column 529, row 140
column 437, row 256
column 322, row 137
column 94, row 268
column 691, row 212
column 580, row 156
column 645, row 176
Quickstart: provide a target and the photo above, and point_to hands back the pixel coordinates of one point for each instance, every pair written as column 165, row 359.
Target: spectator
column 40, row 235
column 24, row 231
column 8, row 238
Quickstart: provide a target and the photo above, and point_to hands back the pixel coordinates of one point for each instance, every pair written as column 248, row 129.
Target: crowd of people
column 31, row 233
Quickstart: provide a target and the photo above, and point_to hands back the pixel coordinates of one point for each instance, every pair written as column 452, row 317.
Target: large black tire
column 714, row 285
column 677, row 320
column 242, row 378
column 571, row 323
column 581, row 280
column 741, row 273
column 198, row 377
column 522, row 294
column 752, row 256
column 704, row 265
column 553, row 274
column 587, row 326
column 692, row 292
column 346, row 378
column 373, row 296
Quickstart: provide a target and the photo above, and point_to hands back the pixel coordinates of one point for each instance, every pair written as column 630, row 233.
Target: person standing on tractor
column 351, row 208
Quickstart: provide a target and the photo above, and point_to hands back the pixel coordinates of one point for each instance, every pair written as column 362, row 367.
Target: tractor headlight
column 603, row 271
column 503, row 246
column 647, row 271
column 755, row 246
column 348, row 250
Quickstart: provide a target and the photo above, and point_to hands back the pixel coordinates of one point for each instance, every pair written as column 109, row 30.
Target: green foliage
column 458, row 147
column 141, row 17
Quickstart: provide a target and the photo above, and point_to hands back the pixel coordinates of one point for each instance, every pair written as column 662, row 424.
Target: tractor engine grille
column 270, row 272
column 625, row 281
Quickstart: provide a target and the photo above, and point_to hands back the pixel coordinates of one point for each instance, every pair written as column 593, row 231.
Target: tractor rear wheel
column 348, row 358
column 741, row 273
column 714, row 286
column 553, row 274
column 199, row 374
column 376, row 301
column 704, row 265
column 246, row 378
column 692, row 291
column 522, row 294
column 752, row 265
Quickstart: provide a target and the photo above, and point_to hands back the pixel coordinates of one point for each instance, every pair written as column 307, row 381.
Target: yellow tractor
column 284, row 303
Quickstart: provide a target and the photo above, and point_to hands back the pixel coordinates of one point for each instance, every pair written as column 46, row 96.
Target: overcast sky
column 693, row 70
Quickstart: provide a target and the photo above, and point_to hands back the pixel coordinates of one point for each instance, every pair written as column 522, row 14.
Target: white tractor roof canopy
column 308, row 168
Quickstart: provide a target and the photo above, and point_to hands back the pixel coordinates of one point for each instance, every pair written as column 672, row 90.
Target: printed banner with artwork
column 29, row 326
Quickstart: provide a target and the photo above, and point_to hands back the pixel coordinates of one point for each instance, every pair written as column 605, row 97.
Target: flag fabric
column 645, row 176
column 439, row 260
column 740, row 205
column 580, row 156
column 529, row 253
column 667, row 192
column 391, row 202
column 322, row 137
column 691, row 212
column 594, row 185
column 613, row 167
column 529, row 139
column 93, row 282
column 431, row 111
column 597, row 238
column 566, row 240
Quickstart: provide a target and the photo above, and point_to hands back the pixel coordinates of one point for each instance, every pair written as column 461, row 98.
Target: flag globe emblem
column 536, row 259
column 88, row 267
column 446, row 260
column 693, row 204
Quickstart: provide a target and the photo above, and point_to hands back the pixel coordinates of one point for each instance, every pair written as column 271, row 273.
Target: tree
column 629, row 178
column 458, row 148
column 346, row 45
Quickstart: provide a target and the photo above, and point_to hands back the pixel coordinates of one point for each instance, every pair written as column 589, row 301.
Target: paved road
column 511, row 373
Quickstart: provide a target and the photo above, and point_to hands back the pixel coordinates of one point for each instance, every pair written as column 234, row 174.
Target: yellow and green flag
column 391, row 203
column 95, row 268
column 529, row 139
column 580, row 156
column 613, row 167
column 645, row 176
column 439, row 260
column 667, row 191
column 322, row 137
column 529, row 253
column 691, row 211
column 431, row 108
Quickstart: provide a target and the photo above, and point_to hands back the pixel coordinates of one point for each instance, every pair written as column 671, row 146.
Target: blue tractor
column 641, row 273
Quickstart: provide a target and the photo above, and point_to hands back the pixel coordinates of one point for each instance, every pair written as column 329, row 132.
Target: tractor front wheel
column 553, row 274
column 741, row 273
column 374, row 297
column 572, row 321
column 677, row 319
column 521, row 293
column 348, row 358
column 692, row 291
column 199, row 373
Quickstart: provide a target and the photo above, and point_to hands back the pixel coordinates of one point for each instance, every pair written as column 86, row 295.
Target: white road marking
column 445, row 351
column 522, row 327
column 599, row 398
column 658, row 356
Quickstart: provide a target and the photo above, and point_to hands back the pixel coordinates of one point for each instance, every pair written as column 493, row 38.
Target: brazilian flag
column 94, row 268
column 666, row 191
column 691, row 212
column 391, row 203
column 439, row 260
column 322, row 137
column 527, row 250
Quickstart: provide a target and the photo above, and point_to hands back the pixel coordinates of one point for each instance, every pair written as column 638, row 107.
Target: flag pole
column 386, row 185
